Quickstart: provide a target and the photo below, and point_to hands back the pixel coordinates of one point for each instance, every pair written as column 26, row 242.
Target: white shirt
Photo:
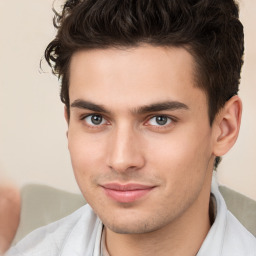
column 80, row 233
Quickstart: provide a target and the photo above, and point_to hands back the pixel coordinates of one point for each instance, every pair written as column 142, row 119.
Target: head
column 209, row 30
column 196, row 47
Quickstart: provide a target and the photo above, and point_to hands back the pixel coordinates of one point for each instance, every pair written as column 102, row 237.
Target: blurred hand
column 9, row 215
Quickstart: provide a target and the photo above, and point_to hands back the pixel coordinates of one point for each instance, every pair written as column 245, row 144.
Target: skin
column 128, row 145
column 9, row 214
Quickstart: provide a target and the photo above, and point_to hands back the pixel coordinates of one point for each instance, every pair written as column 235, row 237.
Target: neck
column 184, row 236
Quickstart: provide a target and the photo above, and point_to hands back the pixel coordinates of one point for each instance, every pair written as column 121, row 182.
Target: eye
column 95, row 120
column 159, row 121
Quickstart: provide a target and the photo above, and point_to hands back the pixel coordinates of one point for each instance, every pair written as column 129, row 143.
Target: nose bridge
column 124, row 151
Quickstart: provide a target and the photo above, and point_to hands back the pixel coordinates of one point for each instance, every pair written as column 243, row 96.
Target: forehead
column 134, row 76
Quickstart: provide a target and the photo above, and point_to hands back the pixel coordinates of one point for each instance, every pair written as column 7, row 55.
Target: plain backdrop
column 33, row 146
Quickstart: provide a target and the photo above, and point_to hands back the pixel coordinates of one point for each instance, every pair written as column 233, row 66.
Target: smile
column 126, row 193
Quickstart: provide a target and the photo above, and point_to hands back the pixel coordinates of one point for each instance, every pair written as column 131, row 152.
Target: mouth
column 126, row 193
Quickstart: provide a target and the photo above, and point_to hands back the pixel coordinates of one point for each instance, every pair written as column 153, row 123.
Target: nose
column 125, row 152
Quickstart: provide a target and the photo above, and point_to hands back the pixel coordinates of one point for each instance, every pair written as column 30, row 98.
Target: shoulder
column 237, row 238
column 227, row 236
column 51, row 239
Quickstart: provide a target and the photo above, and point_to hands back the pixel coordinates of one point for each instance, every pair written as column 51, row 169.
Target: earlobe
column 227, row 125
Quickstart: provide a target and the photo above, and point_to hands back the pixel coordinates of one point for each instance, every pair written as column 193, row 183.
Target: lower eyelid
column 94, row 126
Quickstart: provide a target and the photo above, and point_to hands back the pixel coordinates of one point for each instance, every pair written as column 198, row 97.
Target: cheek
column 181, row 157
column 182, row 172
column 86, row 156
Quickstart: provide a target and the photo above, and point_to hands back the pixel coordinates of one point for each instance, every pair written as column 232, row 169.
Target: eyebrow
column 155, row 107
column 161, row 106
column 82, row 104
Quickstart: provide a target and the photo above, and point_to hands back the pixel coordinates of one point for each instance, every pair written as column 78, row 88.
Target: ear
column 227, row 125
column 66, row 115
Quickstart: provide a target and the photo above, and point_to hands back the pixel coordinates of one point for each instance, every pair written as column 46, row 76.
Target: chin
column 132, row 229
column 131, row 225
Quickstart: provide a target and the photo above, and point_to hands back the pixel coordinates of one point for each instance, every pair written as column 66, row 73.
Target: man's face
column 139, row 136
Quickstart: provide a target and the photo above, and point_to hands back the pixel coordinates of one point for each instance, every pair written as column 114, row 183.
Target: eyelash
column 166, row 127
column 171, row 119
column 93, row 126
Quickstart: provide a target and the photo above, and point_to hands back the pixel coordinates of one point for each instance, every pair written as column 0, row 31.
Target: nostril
column 120, row 169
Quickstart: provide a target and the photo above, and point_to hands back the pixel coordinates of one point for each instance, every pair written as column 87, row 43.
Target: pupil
column 96, row 119
column 161, row 120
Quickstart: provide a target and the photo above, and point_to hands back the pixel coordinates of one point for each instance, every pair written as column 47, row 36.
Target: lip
column 126, row 193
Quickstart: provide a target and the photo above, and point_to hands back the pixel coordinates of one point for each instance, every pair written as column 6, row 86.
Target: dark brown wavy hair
column 209, row 29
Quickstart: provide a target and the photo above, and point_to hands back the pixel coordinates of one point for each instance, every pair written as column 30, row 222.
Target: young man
column 150, row 93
